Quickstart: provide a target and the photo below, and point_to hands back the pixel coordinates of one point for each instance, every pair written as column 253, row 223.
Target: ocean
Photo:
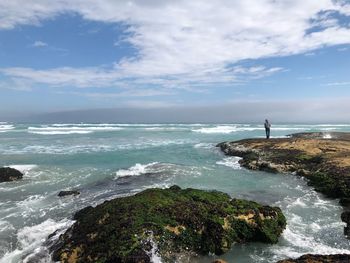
column 105, row 161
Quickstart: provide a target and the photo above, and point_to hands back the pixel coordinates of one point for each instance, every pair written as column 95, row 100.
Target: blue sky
column 71, row 55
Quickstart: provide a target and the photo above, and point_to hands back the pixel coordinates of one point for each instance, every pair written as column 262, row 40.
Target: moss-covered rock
column 8, row 174
column 323, row 160
column 169, row 221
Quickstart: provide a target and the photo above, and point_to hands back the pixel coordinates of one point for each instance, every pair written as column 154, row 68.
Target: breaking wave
column 232, row 161
column 30, row 242
column 137, row 169
column 55, row 130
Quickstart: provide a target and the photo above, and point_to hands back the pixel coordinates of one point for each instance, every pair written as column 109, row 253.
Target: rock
column 309, row 258
column 8, row 174
column 65, row 193
column 345, row 201
column 345, row 217
column 170, row 222
column 219, row 261
column 323, row 160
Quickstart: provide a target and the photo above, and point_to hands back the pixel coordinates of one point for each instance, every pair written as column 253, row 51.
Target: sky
column 283, row 59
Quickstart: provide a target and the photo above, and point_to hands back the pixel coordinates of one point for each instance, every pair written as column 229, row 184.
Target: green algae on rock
column 324, row 162
column 322, row 158
column 170, row 222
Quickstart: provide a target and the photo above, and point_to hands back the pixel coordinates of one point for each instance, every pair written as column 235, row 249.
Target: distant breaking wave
column 4, row 127
column 70, row 129
column 226, row 129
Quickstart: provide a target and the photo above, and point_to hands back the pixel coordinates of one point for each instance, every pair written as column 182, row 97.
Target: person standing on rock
column 267, row 128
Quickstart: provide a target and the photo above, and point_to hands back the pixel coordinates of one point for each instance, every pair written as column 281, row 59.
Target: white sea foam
column 24, row 168
column 137, row 169
column 327, row 136
column 165, row 129
column 6, row 127
column 232, row 161
column 226, row 129
column 5, row 226
column 89, row 148
column 217, row 129
column 63, row 129
column 59, row 132
column 166, row 171
column 306, row 230
column 153, row 254
column 304, row 243
column 31, row 239
column 204, row 145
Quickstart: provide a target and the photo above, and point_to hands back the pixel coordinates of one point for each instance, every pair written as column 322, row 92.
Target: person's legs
column 268, row 133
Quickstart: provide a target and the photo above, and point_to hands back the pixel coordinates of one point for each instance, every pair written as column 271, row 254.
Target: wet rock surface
column 8, row 174
column 167, row 223
column 338, row 258
column 67, row 193
column 323, row 158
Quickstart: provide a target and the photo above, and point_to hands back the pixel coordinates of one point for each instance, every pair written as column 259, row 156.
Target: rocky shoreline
column 169, row 222
column 322, row 158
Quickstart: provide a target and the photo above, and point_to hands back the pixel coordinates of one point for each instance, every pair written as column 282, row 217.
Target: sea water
column 105, row 161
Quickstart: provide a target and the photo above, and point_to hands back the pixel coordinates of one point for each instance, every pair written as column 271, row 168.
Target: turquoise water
column 105, row 161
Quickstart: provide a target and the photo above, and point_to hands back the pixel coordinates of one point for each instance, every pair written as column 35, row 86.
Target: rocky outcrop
column 8, row 174
column 309, row 258
column 322, row 158
column 167, row 222
column 66, row 193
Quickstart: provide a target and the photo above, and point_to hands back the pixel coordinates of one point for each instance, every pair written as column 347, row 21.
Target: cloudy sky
column 67, row 55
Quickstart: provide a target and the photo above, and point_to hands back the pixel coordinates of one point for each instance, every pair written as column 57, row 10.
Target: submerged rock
column 8, row 174
column 309, row 258
column 322, row 158
column 219, row 261
column 168, row 223
column 65, row 193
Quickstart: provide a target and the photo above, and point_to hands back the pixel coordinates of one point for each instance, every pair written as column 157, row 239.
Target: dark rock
column 309, row 258
column 219, row 261
column 345, row 217
column 170, row 222
column 65, row 193
column 323, row 160
column 345, row 202
column 8, row 174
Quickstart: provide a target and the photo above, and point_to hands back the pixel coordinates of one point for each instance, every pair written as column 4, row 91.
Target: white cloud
column 39, row 44
column 188, row 43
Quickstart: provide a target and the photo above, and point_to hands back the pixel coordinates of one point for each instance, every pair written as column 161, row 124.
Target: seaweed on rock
column 176, row 220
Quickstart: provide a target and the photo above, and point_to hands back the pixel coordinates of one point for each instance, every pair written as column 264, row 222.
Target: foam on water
column 204, row 145
column 30, row 240
column 217, row 129
column 153, row 252
column 66, row 130
column 232, row 161
column 135, row 170
column 226, row 129
column 4, row 127
column 327, row 136
column 24, row 168
column 60, row 132
column 316, row 237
